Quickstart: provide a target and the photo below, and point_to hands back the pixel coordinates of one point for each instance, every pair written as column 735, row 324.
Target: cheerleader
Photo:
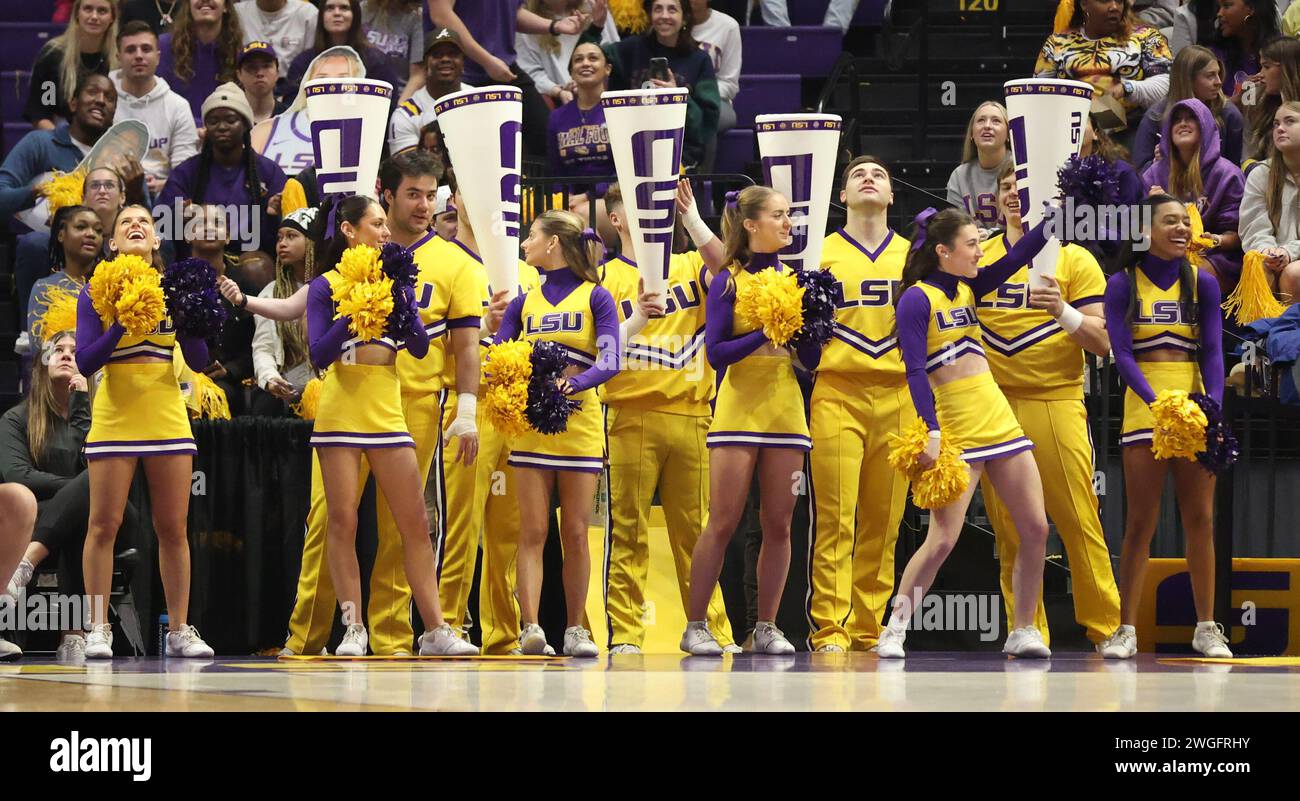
column 939, row 335
column 360, row 414
column 573, row 309
column 1166, row 331
column 758, row 424
column 138, row 415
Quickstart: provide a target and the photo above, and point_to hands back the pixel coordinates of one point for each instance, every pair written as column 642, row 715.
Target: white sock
column 1124, row 627
column 1205, row 624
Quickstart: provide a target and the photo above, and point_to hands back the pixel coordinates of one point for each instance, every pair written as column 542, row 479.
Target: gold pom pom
column 774, row 301
column 60, row 313
column 213, row 403
column 946, row 479
column 629, row 15
column 1200, row 241
column 1179, row 430
column 1252, row 299
column 365, row 294
column 64, row 189
column 507, row 369
column 128, row 290
column 310, row 401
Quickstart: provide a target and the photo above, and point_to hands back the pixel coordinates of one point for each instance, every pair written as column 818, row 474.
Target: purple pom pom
column 1090, row 180
column 548, row 408
column 193, row 302
column 818, row 306
column 397, row 264
column 1221, row 450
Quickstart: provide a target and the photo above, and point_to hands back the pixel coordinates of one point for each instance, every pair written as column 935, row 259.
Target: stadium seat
column 735, row 150
column 22, row 41
column 766, row 94
column 808, row 51
column 13, row 95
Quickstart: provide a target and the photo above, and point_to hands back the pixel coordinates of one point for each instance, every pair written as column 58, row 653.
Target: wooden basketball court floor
column 657, row 682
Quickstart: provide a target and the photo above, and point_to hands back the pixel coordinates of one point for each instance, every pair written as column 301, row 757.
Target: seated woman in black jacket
column 41, row 443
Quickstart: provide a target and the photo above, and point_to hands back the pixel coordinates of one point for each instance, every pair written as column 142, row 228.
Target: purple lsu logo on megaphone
column 510, row 133
column 657, row 214
column 800, row 170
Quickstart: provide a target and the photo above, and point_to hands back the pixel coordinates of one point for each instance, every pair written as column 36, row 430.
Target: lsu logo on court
column 1264, row 609
column 1167, row 312
column 959, row 317
column 75, row 754
column 553, row 322
column 872, row 293
column 678, row 298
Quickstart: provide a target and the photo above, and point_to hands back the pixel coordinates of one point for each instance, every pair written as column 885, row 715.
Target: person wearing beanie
column 228, row 173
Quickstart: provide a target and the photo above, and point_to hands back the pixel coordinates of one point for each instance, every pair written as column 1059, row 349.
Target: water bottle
column 164, row 623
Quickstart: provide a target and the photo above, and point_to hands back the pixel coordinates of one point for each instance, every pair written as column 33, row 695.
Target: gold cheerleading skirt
column 580, row 448
column 975, row 414
column 1138, row 422
column 759, row 405
column 139, row 410
column 360, row 407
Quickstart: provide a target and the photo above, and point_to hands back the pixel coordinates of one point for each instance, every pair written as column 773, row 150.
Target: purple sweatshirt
column 1222, row 182
column 556, row 286
column 913, row 314
column 327, row 336
column 492, row 24
column 95, row 345
column 203, row 58
column 577, row 144
column 723, row 349
column 1164, row 274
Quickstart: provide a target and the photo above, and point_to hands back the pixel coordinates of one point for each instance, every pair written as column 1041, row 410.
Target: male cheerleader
column 1035, row 336
column 657, row 416
column 859, row 398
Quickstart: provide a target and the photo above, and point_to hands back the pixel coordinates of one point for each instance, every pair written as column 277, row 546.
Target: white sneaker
column 99, row 643
column 445, row 641
column 72, row 648
column 9, row 652
column 697, row 640
column 768, row 639
column 517, row 651
column 577, row 642
column 1123, row 644
column 625, row 648
column 1027, row 643
column 22, row 575
column 890, row 644
column 532, row 640
column 830, row 648
column 1211, row 641
column 732, row 648
column 355, row 641
column 188, row 644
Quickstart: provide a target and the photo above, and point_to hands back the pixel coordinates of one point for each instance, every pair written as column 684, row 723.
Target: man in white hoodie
column 143, row 96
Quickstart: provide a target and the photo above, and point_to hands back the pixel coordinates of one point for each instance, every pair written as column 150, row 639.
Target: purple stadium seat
column 13, row 131
column 29, row 11
column 766, row 94
column 735, row 150
column 798, row 51
column 13, row 94
column 807, row 12
column 22, row 41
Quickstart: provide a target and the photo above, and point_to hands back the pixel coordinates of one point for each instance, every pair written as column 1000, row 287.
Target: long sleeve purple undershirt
column 720, row 347
column 95, row 345
column 556, row 286
column 1164, row 273
column 913, row 315
column 327, row 336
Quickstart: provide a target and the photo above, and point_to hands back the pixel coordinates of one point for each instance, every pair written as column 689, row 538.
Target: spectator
column 444, row 214
column 1196, row 73
column 227, row 172
column 288, row 26
column 1291, row 20
column 201, row 51
column 208, row 236
column 41, row 442
column 719, row 35
column 1175, row 19
column 280, row 357
column 973, row 185
column 1270, row 204
column 1278, row 81
column 258, row 72
column 40, row 152
column 285, row 139
column 395, row 28
column 143, row 96
column 75, row 247
column 339, row 25
column 669, row 37
column 431, row 140
column 160, row 15
column 577, row 143
column 545, row 57
column 1107, row 46
column 838, row 14
column 1107, row 247
column 1190, row 169
column 487, row 30
column 444, row 68
column 87, row 45
column 1245, row 26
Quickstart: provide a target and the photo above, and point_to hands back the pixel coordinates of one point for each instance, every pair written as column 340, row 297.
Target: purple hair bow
column 922, row 221
column 732, row 198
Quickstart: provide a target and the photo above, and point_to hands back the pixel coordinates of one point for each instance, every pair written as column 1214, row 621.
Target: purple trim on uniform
column 140, row 448
column 143, row 354
column 912, row 321
column 173, row 441
column 757, row 439
column 1169, row 340
column 477, row 96
column 465, row 322
column 435, row 329
column 1026, row 339
column 1138, row 437
column 429, row 235
column 875, row 348
column 675, row 360
column 804, row 125
column 375, row 89
column 678, row 97
column 884, row 243
column 399, row 439
column 546, row 461
column 954, row 351
column 275, row 123
column 1087, row 301
column 998, row 451
column 465, row 248
column 293, row 128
